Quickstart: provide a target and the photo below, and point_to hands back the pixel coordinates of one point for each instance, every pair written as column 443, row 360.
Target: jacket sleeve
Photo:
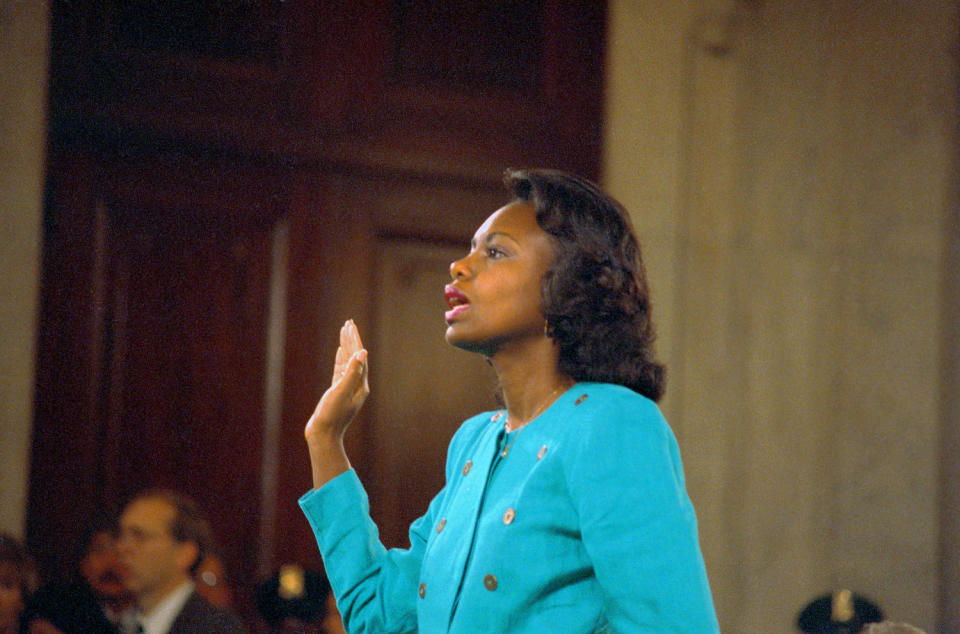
column 375, row 587
column 638, row 524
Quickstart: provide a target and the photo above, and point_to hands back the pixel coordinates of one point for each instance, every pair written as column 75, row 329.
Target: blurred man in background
column 162, row 540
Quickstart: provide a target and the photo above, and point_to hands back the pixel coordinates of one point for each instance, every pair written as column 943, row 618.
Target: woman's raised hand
column 348, row 390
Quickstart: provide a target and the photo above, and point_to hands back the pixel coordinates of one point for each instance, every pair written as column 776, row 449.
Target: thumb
column 356, row 370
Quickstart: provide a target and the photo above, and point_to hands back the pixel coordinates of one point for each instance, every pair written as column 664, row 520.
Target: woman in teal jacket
column 565, row 511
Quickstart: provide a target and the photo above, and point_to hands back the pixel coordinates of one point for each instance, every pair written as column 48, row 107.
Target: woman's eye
column 494, row 253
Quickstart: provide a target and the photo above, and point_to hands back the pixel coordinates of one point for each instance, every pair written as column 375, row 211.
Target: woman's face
column 494, row 299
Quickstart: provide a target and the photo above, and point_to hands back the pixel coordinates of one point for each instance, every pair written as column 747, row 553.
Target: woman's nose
column 459, row 269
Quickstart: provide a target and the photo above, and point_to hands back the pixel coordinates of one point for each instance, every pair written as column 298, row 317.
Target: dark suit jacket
column 198, row 616
column 72, row 608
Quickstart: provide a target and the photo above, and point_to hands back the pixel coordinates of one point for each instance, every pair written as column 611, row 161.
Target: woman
column 566, row 510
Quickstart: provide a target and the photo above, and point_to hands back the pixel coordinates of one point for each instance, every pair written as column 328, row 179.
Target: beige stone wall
column 791, row 169
column 23, row 77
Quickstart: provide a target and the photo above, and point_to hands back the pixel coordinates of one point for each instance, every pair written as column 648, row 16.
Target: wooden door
column 379, row 254
column 219, row 205
column 157, row 277
column 421, row 388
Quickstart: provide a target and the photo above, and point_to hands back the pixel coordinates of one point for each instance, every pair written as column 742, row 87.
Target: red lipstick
column 457, row 302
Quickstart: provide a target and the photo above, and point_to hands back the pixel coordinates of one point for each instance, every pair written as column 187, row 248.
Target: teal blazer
column 583, row 526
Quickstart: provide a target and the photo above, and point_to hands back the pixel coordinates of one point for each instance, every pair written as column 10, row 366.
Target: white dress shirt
column 162, row 616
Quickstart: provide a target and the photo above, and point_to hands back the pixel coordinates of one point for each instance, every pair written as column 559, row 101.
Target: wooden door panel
column 422, row 388
column 65, row 473
column 178, row 277
column 187, row 350
column 350, row 234
column 187, row 347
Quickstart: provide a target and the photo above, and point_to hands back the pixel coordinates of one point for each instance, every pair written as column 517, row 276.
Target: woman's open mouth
column 457, row 302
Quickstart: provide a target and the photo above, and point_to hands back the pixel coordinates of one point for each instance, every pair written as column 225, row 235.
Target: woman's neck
column 530, row 381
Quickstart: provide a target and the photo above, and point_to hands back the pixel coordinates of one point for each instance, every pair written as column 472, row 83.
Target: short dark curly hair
column 595, row 296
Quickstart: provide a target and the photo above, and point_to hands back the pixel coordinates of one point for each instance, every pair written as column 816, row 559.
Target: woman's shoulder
column 609, row 400
column 613, row 424
column 610, row 413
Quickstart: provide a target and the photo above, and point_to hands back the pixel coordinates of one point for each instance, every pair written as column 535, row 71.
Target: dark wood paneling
column 173, row 290
column 469, row 44
column 239, row 30
column 300, row 163
column 65, row 471
column 390, row 83
column 328, row 270
column 424, row 387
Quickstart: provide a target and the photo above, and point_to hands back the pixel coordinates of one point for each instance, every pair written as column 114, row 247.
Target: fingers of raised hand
column 351, row 358
column 350, row 337
column 350, row 345
column 349, row 377
column 348, row 389
column 340, row 364
column 354, row 334
column 357, row 373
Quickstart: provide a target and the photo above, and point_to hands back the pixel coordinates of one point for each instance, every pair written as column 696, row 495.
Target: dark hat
column 293, row 593
column 840, row 612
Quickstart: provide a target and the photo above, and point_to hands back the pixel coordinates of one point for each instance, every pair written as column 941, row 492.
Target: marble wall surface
column 792, row 171
column 24, row 35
